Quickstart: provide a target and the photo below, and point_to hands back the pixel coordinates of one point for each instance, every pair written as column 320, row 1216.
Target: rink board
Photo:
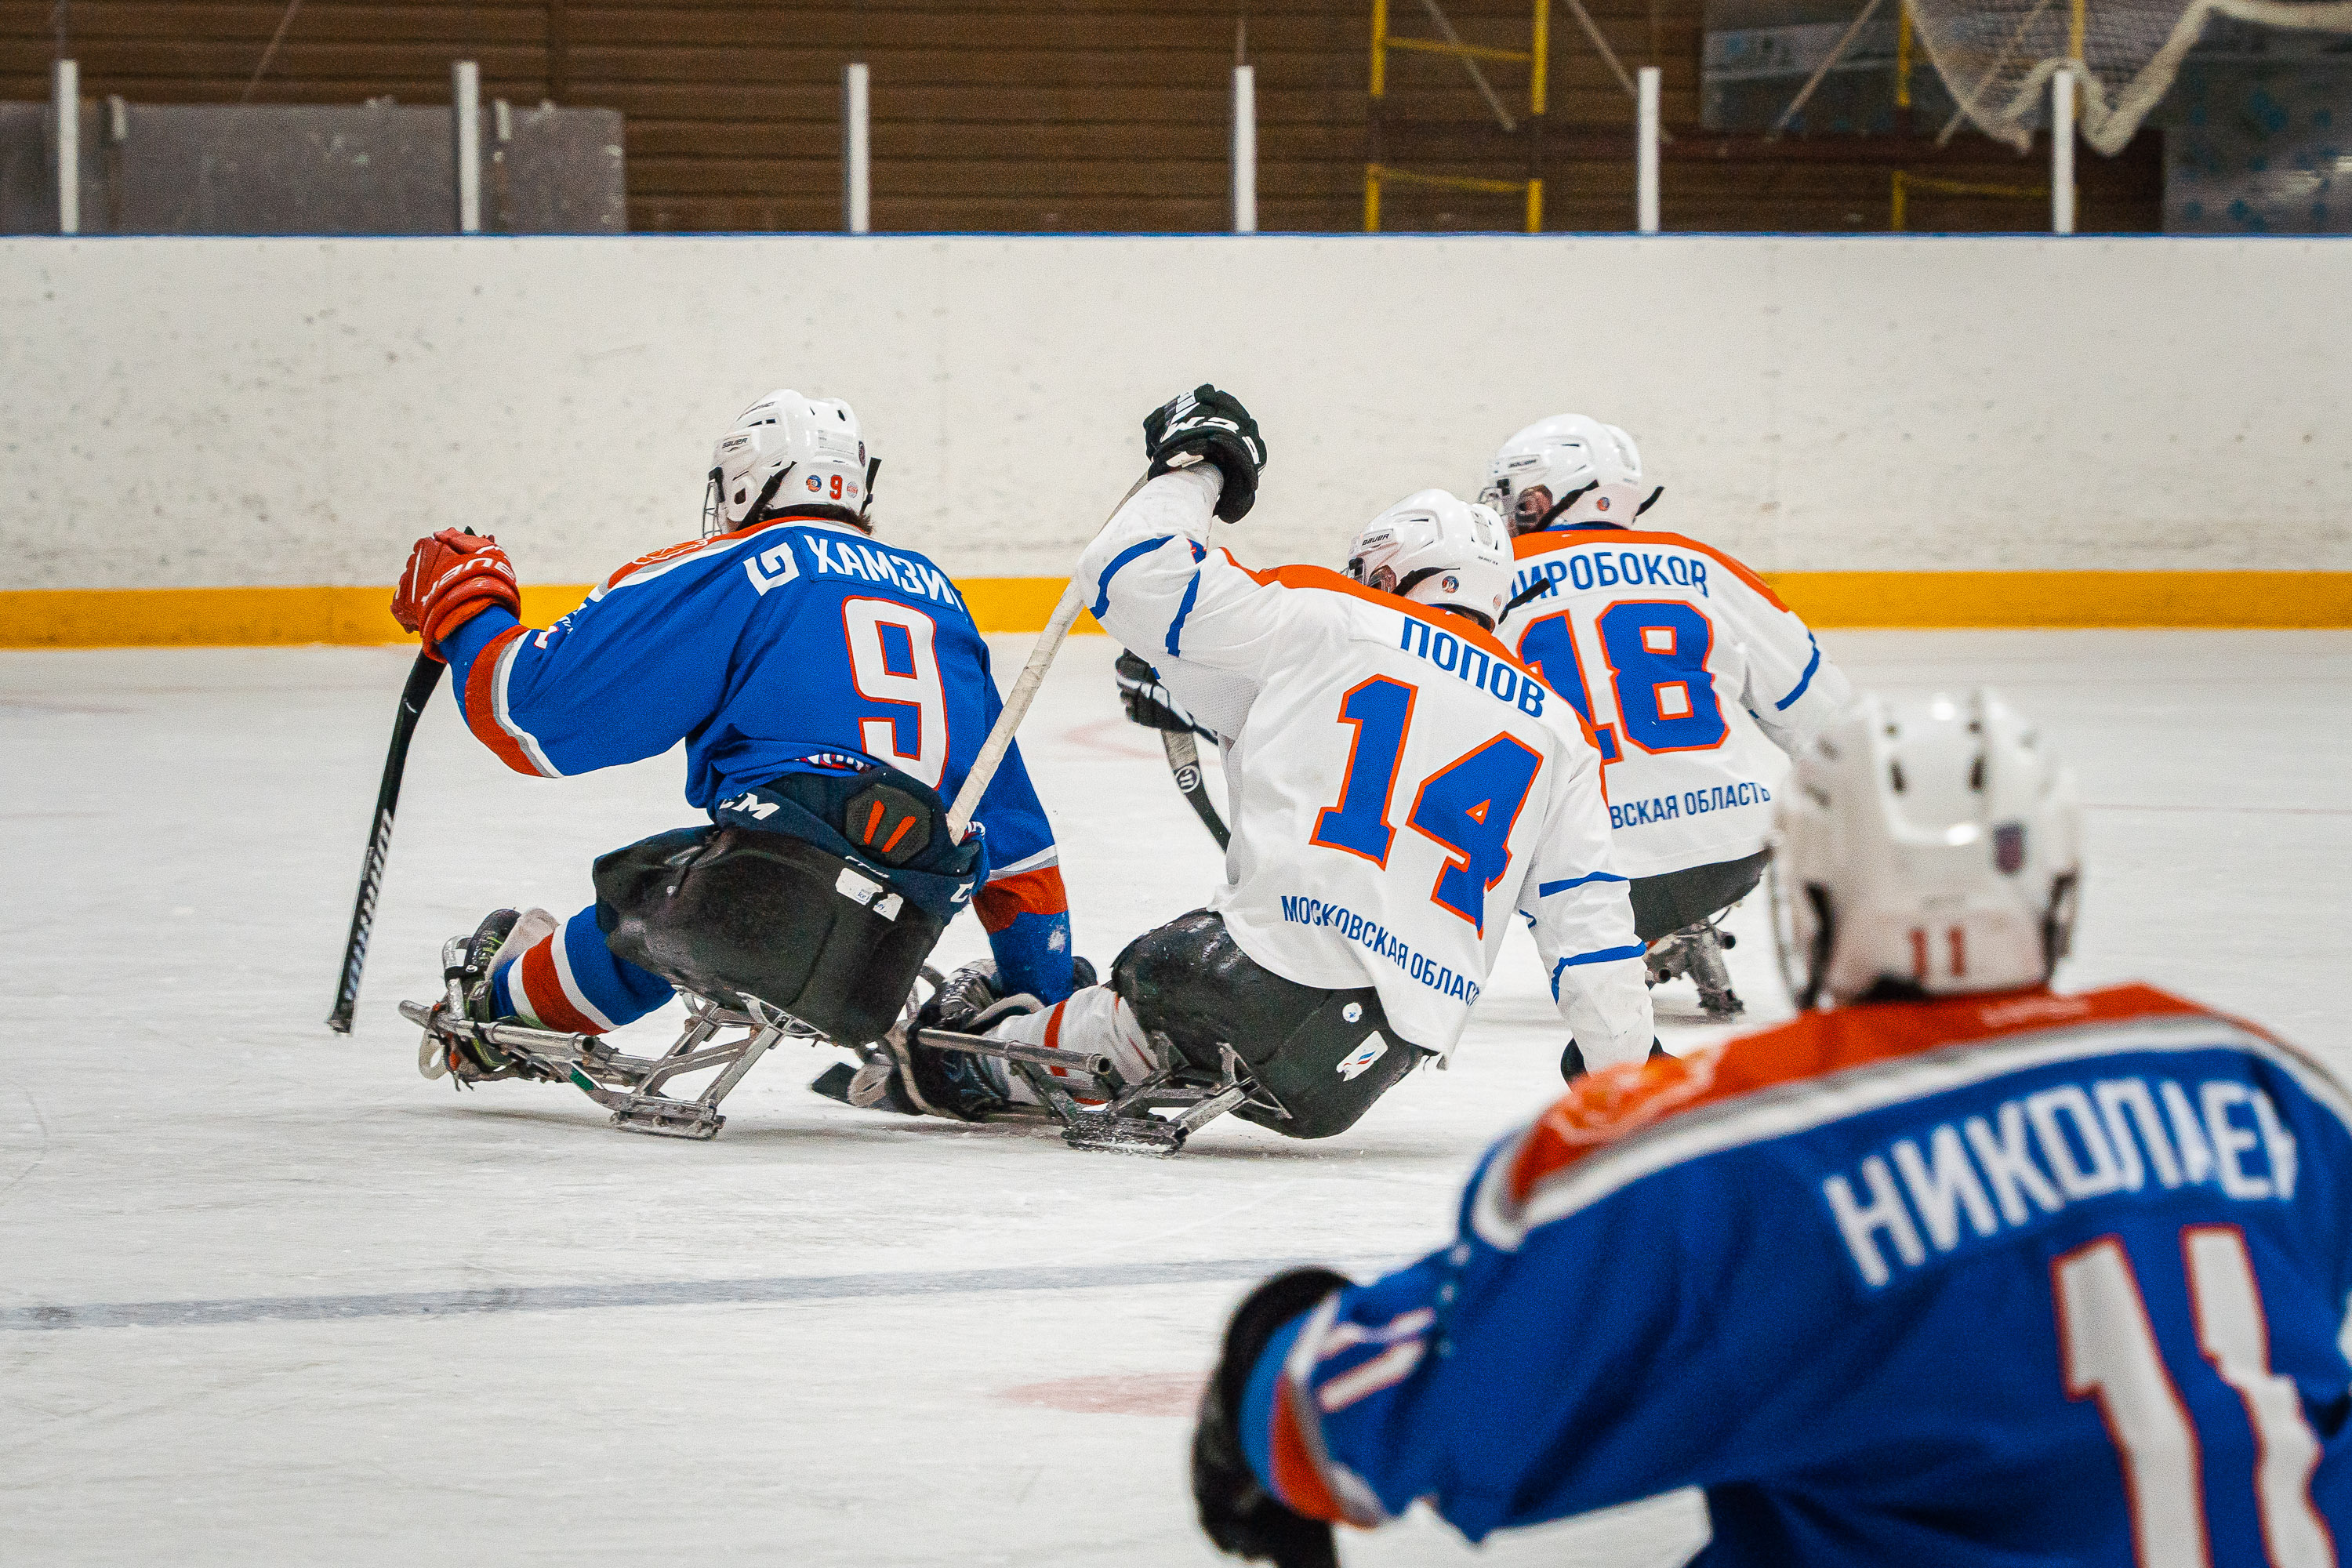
column 251, row 618
column 284, row 413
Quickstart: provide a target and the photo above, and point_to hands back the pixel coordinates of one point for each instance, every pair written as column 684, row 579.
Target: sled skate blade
column 1124, row 1134
column 669, row 1118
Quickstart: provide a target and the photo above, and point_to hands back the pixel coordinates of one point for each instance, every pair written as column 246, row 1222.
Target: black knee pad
column 723, row 912
column 1666, row 903
column 1325, row 1056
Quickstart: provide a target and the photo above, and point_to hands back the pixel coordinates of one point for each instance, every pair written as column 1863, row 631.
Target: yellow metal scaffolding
column 1536, row 58
column 1899, row 199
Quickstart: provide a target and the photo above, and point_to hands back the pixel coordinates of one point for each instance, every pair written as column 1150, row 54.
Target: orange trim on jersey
column 1297, row 1478
column 1553, row 540
column 1037, row 892
column 1454, row 625
column 688, row 546
column 543, row 988
column 1617, row 1101
column 482, row 705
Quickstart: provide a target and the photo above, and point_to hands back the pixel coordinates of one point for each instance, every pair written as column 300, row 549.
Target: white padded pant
column 1096, row 1020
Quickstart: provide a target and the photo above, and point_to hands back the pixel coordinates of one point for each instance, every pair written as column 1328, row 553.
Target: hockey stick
column 1024, row 693
column 423, row 677
column 1185, row 761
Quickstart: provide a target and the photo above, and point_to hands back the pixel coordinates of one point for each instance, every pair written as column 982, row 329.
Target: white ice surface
column 180, row 832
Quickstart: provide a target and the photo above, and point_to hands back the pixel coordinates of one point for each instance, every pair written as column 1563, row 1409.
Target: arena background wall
column 1999, row 431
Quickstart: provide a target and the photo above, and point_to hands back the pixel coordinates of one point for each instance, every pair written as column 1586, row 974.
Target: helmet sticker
column 2009, row 848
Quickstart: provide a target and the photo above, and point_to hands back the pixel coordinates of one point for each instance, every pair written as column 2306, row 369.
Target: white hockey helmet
column 1568, row 470
column 788, row 453
column 1933, row 844
column 1434, row 548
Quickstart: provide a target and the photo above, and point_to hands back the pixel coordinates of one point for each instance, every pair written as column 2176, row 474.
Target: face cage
column 713, row 511
column 1529, row 508
column 1381, row 579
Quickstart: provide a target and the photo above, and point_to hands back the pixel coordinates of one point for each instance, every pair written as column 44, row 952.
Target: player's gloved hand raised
column 1208, row 425
column 1148, row 703
column 1239, row 1514
column 451, row 578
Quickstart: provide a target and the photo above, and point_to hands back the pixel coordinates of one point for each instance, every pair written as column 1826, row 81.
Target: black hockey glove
column 1148, row 701
column 1237, row 1512
column 1207, row 424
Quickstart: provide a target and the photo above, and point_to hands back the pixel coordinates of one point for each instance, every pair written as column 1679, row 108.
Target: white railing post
column 2062, row 151
column 1245, row 149
column 857, row 151
column 65, row 93
column 1645, row 167
column 466, row 110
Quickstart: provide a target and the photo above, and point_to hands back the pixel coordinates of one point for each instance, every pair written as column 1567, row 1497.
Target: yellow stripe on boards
column 2067, row 599
column 1018, row 604
column 229, row 618
column 258, row 617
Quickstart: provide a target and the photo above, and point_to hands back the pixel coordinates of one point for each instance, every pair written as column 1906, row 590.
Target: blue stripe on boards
column 1782, row 706
column 1102, row 583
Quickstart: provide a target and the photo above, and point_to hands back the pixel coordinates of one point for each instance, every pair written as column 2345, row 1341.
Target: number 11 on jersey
column 2110, row 1352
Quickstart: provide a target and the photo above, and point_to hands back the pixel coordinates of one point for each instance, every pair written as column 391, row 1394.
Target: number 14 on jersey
column 1468, row 807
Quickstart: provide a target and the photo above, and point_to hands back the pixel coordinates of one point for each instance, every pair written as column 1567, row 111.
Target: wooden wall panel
column 1034, row 115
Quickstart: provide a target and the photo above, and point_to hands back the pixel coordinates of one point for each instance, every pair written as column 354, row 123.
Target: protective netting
column 1997, row 56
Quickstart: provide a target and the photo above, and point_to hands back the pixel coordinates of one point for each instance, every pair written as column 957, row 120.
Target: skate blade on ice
column 1122, row 1117
column 629, row 1086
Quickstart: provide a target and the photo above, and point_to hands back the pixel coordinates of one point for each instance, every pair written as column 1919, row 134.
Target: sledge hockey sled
column 632, row 1087
column 1086, row 1096
column 1087, row 1099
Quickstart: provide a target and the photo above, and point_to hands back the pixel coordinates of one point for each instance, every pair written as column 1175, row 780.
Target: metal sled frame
column 631, row 1086
column 1125, row 1119
column 1697, row 950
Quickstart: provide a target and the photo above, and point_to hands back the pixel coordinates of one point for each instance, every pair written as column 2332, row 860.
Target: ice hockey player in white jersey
column 1399, row 788
column 1684, row 663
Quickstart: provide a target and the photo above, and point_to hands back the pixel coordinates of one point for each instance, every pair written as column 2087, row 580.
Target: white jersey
column 1399, row 786
column 1667, row 648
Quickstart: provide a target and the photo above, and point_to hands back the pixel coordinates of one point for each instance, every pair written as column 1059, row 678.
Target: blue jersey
column 2020, row 1279
column 793, row 644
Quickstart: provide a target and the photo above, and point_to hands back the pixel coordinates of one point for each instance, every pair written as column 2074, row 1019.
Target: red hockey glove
column 451, row 578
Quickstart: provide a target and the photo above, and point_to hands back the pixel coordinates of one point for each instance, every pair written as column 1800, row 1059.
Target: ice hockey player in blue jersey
column 1990, row 1275
column 832, row 692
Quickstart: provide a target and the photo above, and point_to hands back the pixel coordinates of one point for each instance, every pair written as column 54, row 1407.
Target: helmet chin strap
column 767, row 493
